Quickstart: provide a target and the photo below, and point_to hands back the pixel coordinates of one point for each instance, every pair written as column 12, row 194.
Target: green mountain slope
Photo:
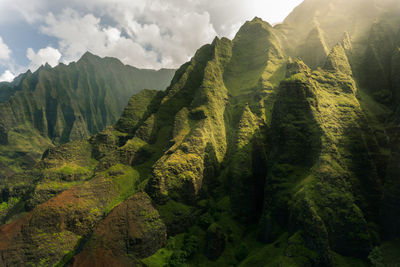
column 56, row 105
column 251, row 157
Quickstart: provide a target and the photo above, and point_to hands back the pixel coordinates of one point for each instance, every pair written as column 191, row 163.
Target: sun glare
column 273, row 11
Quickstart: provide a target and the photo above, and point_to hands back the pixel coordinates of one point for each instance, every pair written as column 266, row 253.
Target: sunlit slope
column 257, row 154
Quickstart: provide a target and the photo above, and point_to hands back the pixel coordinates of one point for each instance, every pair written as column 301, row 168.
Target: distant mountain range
column 55, row 105
column 280, row 147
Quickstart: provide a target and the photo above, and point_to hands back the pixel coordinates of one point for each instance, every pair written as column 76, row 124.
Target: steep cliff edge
column 55, row 105
column 249, row 158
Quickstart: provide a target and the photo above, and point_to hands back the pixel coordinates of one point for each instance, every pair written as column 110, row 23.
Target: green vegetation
column 69, row 254
column 250, row 61
column 4, row 206
column 278, row 148
column 56, row 105
column 125, row 180
column 163, row 256
column 25, row 146
column 390, row 252
column 285, row 251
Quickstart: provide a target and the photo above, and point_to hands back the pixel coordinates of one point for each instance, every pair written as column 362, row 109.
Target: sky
column 143, row 33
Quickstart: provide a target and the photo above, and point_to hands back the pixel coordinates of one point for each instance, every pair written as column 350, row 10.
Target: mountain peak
column 269, row 130
column 45, row 66
column 346, row 42
column 338, row 61
column 257, row 19
column 255, row 28
column 296, row 66
column 216, row 39
column 88, row 56
column 314, row 51
column 256, row 22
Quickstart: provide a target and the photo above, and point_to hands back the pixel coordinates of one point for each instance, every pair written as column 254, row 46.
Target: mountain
column 57, row 105
column 251, row 157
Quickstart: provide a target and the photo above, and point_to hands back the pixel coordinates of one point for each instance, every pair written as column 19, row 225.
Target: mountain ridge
column 249, row 158
column 68, row 102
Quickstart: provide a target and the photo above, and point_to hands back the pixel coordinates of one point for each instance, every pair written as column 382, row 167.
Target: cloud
column 15, row 10
column 7, row 76
column 222, row 14
column 7, row 62
column 4, row 51
column 48, row 55
column 143, row 33
column 174, row 37
column 78, row 34
column 154, row 44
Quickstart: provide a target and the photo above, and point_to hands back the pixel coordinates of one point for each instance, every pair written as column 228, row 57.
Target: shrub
column 376, row 257
column 190, row 245
column 178, row 259
column 241, row 252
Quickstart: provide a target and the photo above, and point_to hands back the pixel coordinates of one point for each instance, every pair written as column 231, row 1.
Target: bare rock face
column 133, row 230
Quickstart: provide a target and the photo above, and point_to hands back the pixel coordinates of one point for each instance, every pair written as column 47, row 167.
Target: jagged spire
column 88, row 56
column 296, row 66
column 315, row 50
column 346, row 42
column 338, row 61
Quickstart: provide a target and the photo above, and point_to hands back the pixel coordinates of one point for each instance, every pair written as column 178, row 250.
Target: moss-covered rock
column 247, row 169
column 338, row 61
column 76, row 211
column 304, row 119
column 133, row 230
column 249, row 158
column 139, row 105
column 375, row 70
column 179, row 173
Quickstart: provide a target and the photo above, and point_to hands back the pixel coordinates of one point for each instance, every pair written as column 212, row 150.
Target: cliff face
column 56, row 105
column 249, row 158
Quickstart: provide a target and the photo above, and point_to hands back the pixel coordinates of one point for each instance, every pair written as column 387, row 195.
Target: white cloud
column 152, row 33
column 17, row 10
column 78, row 34
column 7, row 76
column 148, row 45
column 7, row 62
column 143, row 33
column 4, row 51
column 175, row 37
column 48, row 55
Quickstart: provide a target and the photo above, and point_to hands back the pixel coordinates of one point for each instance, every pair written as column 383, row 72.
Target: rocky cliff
column 259, row 153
